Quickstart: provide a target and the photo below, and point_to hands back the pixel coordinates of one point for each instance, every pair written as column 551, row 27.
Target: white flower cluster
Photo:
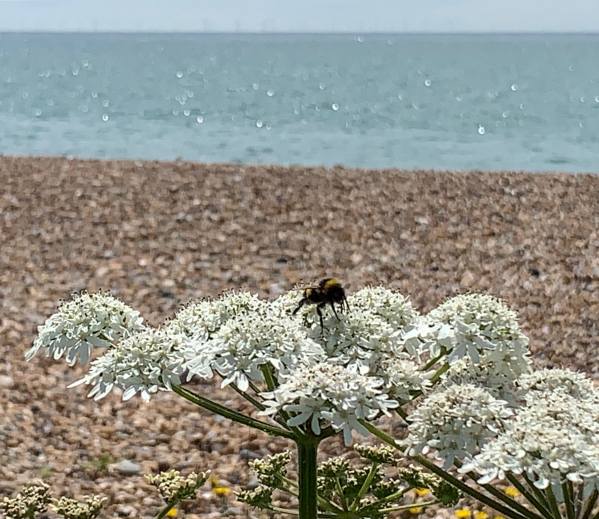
column 480, row 327
column 175, row 487
column 246, row 343
column 403, row 378
column 553, row 439
column 86, row 322
column 560, row 380
column 33, row 498
column 327, row 395
column 204, row 318
column 499, row 382
column 144, row 363
column 394, row 308
column 456, row 422
column 69, row 508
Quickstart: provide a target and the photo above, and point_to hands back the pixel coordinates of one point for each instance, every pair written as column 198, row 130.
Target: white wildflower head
column 89, row 321
column 456, row 422
column 144, row 363
column 403, row 378
column 394, row 308
column 480, row 327
column 32, row 499
column 325, row 395
column 175, row 487
column 358, row 340
column 500, row 382
column 554, row 439
column 205, row 318
column 89, row 508
column 564, row 381
column 242, row 345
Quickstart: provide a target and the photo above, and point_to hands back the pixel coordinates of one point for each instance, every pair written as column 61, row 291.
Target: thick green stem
column 530, row 497
column 230, row 414
column 553, row 501
column 590, row 505
column 569, row 499
column 307, row 450
column 166, row 510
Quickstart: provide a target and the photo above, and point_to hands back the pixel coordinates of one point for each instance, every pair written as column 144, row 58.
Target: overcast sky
column 300, row 15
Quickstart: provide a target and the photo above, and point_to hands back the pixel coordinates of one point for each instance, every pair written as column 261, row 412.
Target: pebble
column 127, row 467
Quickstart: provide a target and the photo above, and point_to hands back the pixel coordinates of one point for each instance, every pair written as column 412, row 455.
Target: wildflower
column 456, row 422
column 173, row 512
column 479, row 514
column 144, row 363
column 204, row 318
column 463, row 513
column 69, row 508
column 89, row 321
column 549, row 440
column 245, row 343
column 326, row 395
column 394, row 308
column 403, row 377
column 32, row 498
column 415, row 510
column 174, row 487
column 480, row 327
column 421, row 492
column 564, row 381
column 511, row 491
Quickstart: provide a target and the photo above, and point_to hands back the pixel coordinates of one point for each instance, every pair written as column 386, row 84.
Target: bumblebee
column 329, row 291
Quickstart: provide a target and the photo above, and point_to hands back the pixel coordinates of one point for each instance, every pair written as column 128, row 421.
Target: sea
column 458, row 102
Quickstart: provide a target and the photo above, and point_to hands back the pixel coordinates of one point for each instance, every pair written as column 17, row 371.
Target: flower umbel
column 174, row 487
column 69, row 508
column 327, row 395
column 89, row 321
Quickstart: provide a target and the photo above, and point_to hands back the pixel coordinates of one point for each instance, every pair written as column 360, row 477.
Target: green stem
column 373, row 429
column 512, row 503
column 433, row 361
column 230, row 414
column 590, row 504
column 365, row 486
column 531, row 498
column 553, row 501
column 292, row 489
column 569, row 499
column 407, row 507
column 307, row 450
column 166, row 510
column 541, row 497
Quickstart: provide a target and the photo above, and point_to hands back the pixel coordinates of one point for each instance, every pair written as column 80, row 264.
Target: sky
column 301, row 15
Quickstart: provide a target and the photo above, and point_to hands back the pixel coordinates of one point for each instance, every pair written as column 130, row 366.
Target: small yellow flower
column 511, row 491
column 421, row 492
column 172, row 512
column 481, row 515
column 463, row 513
column 415, row 510
column 221, row 491
column 499, row 517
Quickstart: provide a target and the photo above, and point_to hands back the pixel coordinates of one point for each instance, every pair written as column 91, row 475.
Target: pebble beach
column 159, row 234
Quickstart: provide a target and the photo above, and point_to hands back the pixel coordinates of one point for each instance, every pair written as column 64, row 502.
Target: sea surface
column 492, row 102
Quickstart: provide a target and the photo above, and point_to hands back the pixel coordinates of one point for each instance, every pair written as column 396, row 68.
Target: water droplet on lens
column 580, row 124
column 186, row 113
column 322, row 86
column 596, row 99
column 105, row 117
column 359, row 39
column 255, row 86
column 427, row 82
column 270, row 93
column 179, row 74
column 571, row 68
column 95, row 95
column 458, row 99
column 38, row 113
column 106, row 103
column 521, row 106
column 200, row 119
column 259, row 124
column 581, row 99
column 505, row 115
column 481, row 129
column 400, row 97
column 514, row 87
column 335, row 107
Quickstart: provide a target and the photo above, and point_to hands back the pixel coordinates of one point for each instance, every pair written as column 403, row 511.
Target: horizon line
column 300, row 33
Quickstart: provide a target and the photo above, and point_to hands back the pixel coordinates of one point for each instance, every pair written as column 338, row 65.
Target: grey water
column 491, row 102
